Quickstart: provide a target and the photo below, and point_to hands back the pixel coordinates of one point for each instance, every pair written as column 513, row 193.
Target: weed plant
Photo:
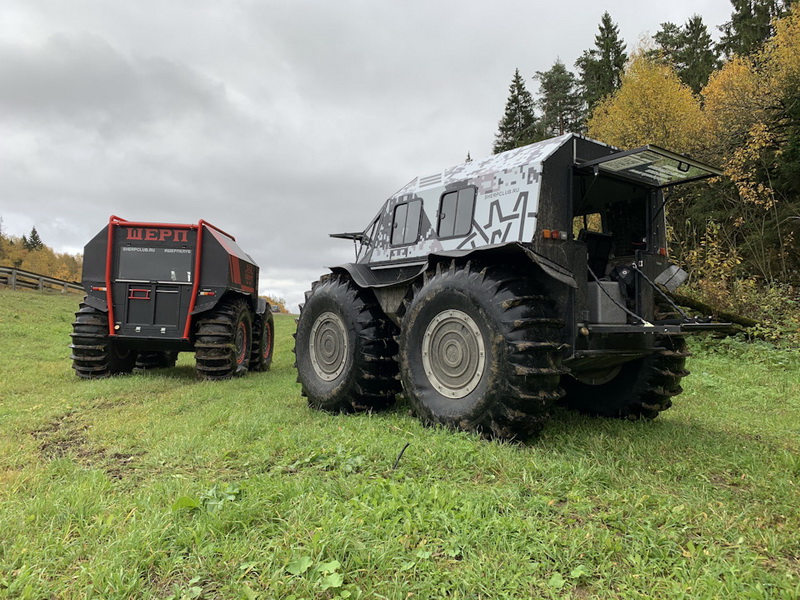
column 157, row 485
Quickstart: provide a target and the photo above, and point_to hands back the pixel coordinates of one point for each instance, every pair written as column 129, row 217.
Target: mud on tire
column 345, row 349
column 641, row 389
column 223, row 341
column 94, row 353
column 479, row 351
column 263, row 342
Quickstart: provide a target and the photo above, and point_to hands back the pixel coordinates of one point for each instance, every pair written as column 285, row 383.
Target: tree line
column 29, row 253
column 734, row 104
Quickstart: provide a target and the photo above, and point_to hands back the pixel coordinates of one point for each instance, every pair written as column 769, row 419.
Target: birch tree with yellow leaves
column 652, row 106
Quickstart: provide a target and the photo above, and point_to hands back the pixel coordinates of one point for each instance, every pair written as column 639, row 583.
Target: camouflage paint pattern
column 507, row 199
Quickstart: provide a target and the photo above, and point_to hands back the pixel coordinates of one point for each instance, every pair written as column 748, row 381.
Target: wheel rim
column 241, row 342
column 598, row 376
column 328, row 346
column 453, row 353
column 120, row 353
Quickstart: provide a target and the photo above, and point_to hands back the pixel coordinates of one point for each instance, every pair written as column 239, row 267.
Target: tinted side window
column 455, row 213
column 405, row 228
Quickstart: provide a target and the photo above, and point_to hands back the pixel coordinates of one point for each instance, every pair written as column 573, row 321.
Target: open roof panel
column 652, row 166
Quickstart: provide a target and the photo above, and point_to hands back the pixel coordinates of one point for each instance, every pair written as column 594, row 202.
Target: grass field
column 156, row 485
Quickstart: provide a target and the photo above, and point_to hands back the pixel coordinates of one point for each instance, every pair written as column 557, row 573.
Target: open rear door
column 652, row 166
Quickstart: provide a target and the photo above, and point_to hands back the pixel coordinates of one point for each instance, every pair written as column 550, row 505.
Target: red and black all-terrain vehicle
column 491, row 290
column 156, row 289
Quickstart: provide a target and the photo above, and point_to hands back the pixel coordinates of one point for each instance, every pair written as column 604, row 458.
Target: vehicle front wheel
column 479, row 351
column 223, row 341
column 263, row 342
column 345, row 349
column 95, row 354
column 156, row 359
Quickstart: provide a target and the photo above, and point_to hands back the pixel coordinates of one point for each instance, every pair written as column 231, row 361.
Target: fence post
column 13, row 279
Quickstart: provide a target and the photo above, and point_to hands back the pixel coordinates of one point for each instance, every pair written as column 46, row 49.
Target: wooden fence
column 16, row 279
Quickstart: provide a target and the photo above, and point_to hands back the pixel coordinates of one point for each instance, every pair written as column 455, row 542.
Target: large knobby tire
column 263, row 342
column 345, row 348
column 94, row 353
column 640, row 389
column 479, row 351
column 223, row 340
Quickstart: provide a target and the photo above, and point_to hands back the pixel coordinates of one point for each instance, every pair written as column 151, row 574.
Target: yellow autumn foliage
column 652, row 106
column 43, row 261
column 782, row 52
column 735, row 99
column 743, row 102
column 277, row 301
column 743, row 99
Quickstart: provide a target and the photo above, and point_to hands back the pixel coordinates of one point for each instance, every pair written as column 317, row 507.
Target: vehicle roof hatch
column 652, row 166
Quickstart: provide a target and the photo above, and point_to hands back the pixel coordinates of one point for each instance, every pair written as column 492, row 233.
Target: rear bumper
column 607, row 346
column 661, row 329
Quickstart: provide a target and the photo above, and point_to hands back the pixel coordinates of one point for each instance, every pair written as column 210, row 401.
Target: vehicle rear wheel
column 155, row 359
column 345, row 348
column 479, row 351
column 263, row 342
column 641, row 388
column 223, row 341
column 95, row 354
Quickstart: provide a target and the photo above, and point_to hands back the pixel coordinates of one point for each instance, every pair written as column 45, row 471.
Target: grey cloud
column 280, row 121
column 83, row 80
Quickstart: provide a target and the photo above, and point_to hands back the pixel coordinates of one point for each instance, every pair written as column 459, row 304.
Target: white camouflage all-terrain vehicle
column 489, row 291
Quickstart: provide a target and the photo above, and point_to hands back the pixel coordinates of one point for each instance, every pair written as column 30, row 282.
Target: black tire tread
column 529, row 382
column 642, row 390
column 215, row 345
column 94, row 354
column 373, row 380
column 147, row 360
column 259, row 362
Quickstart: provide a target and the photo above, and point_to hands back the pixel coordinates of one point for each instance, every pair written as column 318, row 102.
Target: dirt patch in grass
column 61, row 436
column 65, row 436
column 737, row 483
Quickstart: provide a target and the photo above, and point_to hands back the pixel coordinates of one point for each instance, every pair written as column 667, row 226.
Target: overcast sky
column 278, row 121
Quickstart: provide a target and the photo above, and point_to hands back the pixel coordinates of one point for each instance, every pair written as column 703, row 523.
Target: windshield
column 366, row 240
column 155, row 264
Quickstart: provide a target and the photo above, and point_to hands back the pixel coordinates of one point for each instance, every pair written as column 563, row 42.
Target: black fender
column 262, row 306
column 211, row 302
column 96, row 301
column 397, row 275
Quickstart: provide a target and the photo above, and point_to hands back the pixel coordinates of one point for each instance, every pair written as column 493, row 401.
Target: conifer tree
column 751, row 24
column 32, row 242
column 698, row 56
column 518, row 125
column 559, row 102
column 668, row 40
column 600, row 68
column 689, row 50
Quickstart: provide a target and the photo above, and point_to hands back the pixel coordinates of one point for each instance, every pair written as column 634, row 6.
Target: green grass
column 157, row 485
